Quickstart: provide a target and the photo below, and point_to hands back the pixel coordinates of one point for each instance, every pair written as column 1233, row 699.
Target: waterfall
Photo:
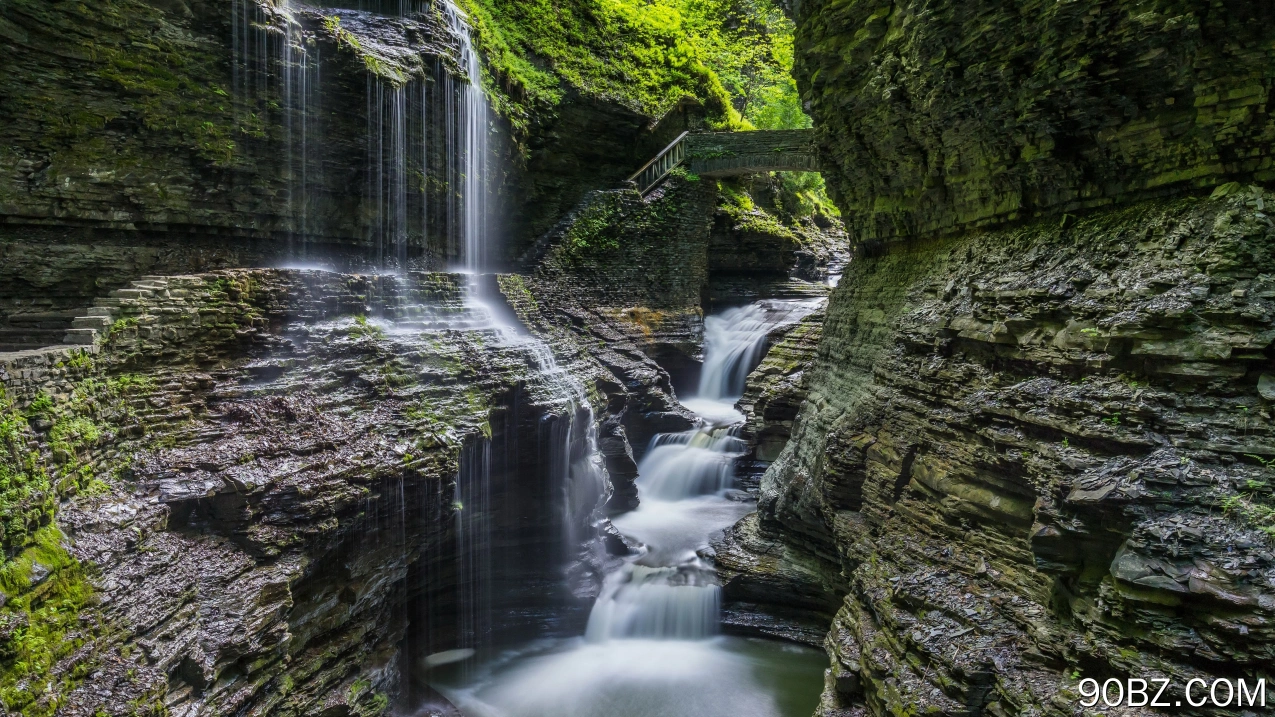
column 684, row 465
column 652, row 645
column 679, row 603
column 295, row 80
column 735, row 340
column 473, row 141
column 682, row 481
column 424, row 201
column 473, row 510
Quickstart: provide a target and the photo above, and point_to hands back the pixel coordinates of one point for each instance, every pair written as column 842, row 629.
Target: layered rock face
column 940, row 116
column 649, row 267
column 1036, row 452
column 191, row 135
column 758, row 251
column 170, row 137
column 1054, row 463
column 261, row 496
column 636, row 267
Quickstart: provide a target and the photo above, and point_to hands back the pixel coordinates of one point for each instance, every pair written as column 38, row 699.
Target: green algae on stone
column 45, row 591
column 953, row 116
column 26, row 500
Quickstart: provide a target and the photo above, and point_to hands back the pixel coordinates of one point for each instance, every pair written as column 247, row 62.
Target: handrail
column 658, row 168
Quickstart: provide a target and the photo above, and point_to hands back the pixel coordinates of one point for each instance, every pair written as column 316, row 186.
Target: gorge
column 348, row 368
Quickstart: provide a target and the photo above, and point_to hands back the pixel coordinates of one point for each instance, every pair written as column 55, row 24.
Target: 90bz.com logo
column 1137, row 692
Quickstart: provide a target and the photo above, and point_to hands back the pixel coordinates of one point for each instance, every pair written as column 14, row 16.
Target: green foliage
column 1268, row 464
column 738, row 204
column 31, row 485
column 74, row 432
column 593, row 230
column 122, row 325
column 803, row 194
column 41, row 623
column 79, row 359
column 40, row 405
column 1251, row 511
column 734, row 196
column 129, row 383
column 732, row 55
column 362, row 329
column 25, row 488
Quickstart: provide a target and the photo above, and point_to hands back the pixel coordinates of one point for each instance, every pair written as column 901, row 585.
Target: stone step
column 20, row 339
column 91, row 322
column 80, row 336
column 42, row 317
column 100, row 311
column 132, row 293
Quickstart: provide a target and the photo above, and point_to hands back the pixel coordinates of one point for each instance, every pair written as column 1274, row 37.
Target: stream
column 653, row 644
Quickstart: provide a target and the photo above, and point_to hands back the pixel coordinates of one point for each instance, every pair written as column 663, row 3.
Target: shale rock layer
column 1034, row 455
column 936, row 116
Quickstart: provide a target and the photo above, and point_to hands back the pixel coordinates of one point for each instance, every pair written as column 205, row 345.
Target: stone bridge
column 726, row 154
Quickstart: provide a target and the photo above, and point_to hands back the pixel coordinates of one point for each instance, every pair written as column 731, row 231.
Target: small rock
column 38, row 574
column 1266, row 386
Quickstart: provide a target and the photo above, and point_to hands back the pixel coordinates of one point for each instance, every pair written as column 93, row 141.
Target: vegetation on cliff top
column 733, row 55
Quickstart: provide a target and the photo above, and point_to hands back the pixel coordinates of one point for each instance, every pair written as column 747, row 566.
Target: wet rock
column 1013, row 458
column 938, row 120
column 261, row 539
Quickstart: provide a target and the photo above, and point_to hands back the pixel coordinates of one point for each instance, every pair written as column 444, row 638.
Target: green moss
column 348, row 42
column 26, row 500
column 361, row 329
column 514, row 287
column 732, row 55
column 595, row 228
column 437, row 416
column 41, row 623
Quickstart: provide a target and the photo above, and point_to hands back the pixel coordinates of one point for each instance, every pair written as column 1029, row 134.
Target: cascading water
column 473, row 141
column 651, row 646
column 734, row 343
column 424, row 154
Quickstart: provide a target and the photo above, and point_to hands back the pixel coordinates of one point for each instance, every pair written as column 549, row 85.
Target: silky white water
column 652, row 646
column 473, row 142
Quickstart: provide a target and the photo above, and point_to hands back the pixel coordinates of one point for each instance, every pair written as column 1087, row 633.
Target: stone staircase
column 98, row 318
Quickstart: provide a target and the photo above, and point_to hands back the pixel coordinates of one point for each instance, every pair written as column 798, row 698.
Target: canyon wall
column 190, row 135
column 248, row 492
column 936, row 117
column 1036, row 440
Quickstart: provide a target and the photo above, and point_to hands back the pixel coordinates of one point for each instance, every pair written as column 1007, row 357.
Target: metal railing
column 654, row 171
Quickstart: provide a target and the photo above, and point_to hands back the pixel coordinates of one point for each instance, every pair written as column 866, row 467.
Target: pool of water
column 717, row 677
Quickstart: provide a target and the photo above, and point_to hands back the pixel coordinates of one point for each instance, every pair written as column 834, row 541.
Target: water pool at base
column 717, row 677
